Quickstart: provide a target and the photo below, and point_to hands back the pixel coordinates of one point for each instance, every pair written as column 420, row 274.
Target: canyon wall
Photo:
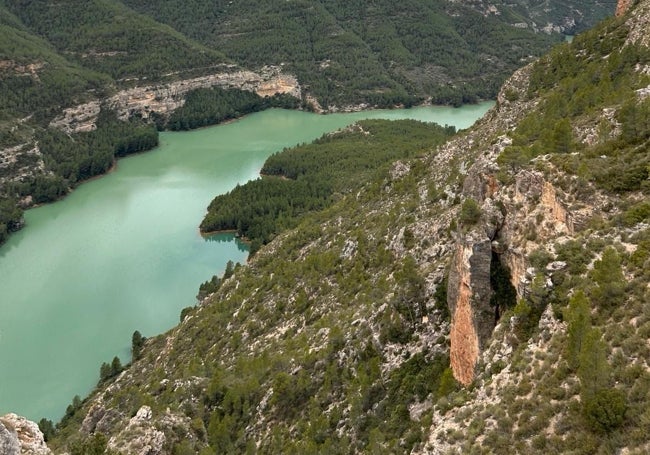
column 162, row 99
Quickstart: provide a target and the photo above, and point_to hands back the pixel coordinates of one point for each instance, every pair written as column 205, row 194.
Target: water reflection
column 227, row 237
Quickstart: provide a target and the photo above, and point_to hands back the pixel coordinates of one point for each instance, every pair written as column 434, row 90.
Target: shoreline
column 331, row 110
column 243, row 240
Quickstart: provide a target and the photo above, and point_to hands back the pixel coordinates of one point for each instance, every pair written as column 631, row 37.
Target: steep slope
column 532, row 227
column 105, row 36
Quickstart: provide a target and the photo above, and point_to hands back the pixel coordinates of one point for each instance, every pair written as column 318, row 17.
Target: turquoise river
column 123, row 252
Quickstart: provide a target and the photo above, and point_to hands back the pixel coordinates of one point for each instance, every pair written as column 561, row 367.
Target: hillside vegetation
column 61, row 55
column 335, row 338
column 374, row 52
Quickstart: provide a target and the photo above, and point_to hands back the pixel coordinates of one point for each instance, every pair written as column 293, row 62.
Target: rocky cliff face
column 19, row 436
column 163, row 99
column 472, row 317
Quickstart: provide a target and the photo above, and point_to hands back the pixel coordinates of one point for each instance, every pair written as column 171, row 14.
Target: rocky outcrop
column 622, row 7
column 163, row 99
column 639, row 23
column 472, row 318
column 140, row 436
column 19, row 436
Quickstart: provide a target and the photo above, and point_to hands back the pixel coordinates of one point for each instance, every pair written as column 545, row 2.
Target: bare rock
column 468, row 297
column 9, row 444
column 21, row 436
column 140, row 437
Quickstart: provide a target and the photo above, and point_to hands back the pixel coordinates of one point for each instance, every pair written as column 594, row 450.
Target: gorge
column 77, row 291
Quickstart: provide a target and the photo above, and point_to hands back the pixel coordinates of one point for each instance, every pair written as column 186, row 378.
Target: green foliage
column 605, row 412
column 110, row 370
column 93, row 445
column 540, row 258
column 409, row 300
column 577, row 316
column 448, row 383
column 607, row 275
column 514, row 158
column 575, row 255
column 11, row 217
column 593, row 369
column 379, row 53
column 209, row 106
column 47, row 428
column 108, row 37
column 470, row 212
column 440, row 297
column 290, row 393
column 577, row 82
column 637, row 213
column 71, row 410
column 137, row 343
column 310, row 177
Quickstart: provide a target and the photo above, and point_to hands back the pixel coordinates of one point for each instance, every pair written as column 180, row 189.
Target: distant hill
column 350, row 52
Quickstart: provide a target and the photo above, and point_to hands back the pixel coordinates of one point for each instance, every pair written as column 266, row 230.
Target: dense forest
column 350, row 52
column 211, row 106
column 313, row 176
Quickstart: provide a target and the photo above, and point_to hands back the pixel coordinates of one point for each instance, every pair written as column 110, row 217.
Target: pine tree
column 609, row 280
column 579, row 323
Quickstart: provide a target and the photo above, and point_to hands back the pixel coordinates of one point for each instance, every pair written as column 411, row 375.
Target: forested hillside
column 106, row 36
column 375, row 52
column 66, row 54
column 489, row 295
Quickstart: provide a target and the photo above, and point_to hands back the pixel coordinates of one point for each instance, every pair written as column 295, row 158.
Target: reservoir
column 123, row 252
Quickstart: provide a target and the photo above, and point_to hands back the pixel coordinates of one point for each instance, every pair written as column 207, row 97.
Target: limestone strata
column 19, row 436
column 163, row 99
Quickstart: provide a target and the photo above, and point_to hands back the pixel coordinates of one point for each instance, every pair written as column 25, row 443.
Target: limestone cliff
column 163, row 99
column 472, row 318
column 19, row 436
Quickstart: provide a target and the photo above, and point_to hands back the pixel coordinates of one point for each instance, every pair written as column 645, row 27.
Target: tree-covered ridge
column 333, row 339
column 67, row 161
column 597, row 73
column 35, row 79
column 315, row 370
column 310, row 177
column 378, row 52
column 108, row 37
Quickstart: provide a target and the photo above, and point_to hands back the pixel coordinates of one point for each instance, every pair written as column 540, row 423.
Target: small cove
column 123, row 252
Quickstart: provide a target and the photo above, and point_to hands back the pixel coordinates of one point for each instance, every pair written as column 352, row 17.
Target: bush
column 470, row 212
column 606, row 410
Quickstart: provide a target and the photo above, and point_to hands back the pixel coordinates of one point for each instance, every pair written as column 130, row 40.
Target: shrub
column 606, row 410
column 470, row 212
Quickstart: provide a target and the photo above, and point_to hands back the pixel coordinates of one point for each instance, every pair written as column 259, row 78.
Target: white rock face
column 164, row 98
column 21, row 436
column 140, row 437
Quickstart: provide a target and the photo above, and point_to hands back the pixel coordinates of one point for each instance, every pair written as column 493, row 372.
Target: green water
column 123, row 252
